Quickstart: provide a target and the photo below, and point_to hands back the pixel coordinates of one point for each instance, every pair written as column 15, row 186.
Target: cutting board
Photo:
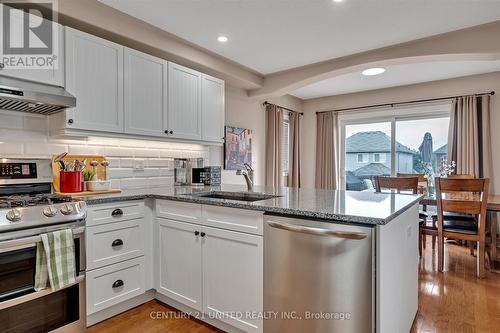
column 100, row 170
column 89, row 193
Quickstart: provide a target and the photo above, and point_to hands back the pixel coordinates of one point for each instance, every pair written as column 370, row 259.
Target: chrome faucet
column 248, row 174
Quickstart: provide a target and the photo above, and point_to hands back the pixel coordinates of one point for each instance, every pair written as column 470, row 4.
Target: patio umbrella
column 426, row 148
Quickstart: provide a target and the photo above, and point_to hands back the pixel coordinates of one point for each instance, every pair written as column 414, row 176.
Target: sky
column 409, row 132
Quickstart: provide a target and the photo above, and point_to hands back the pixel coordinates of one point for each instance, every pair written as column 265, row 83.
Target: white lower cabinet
column 179, row 262
column 116, row 283
column 233, row 277
column 213, row 270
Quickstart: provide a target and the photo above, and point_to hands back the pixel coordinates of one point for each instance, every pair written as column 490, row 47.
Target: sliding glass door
column 387, row 142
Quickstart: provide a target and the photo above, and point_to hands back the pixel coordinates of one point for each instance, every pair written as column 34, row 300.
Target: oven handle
column 22, row 243
column 37, row 294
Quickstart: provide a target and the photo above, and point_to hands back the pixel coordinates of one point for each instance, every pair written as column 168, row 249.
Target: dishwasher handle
column 356, row 235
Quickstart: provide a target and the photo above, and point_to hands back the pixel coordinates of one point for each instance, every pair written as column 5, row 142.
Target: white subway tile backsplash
column 118, row 152
column 160, row 181
column 147, row 172
column 160, row 162
column 44, row 149
column 114, row 173
column 86, row 150
column 26, row 135
column 146, row 153
column 133, row 183
column 11, row 149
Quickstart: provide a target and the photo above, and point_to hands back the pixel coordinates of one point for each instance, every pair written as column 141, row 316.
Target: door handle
column 117, row 242
column 318, row 231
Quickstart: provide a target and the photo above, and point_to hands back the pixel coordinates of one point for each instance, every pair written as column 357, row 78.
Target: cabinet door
column 233, row 276
column 179, row 255
column 94, row 74
column 212, row 109
column 184, row 102
column 145, row 94
column 53, row 76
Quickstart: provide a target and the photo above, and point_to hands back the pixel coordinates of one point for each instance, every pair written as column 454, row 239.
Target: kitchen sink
column 238, row 196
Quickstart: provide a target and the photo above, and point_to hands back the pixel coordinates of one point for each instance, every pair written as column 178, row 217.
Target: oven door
column 22, row 309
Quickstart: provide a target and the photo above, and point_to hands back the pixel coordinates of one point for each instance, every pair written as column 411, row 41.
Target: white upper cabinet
column 94, row 75
column 212, row 109
column 53, row 76
column 145, row 94
column 184, row 102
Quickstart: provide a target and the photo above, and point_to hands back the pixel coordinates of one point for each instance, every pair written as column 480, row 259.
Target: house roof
column 372, row 169
column 443, row 150
column 373, row 142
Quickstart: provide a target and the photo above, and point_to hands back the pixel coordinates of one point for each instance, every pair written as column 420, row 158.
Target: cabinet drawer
column 103, row 214
column 113, row 284
column 179, row 211
column 111, row 243
column 243, row 220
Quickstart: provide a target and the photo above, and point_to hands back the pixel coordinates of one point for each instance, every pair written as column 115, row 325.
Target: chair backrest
column 464, row 176
column 396, row 183
column 462, row 195
column 421, row 177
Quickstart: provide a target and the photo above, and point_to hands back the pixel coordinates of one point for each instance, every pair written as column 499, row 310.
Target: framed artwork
column 237, row 148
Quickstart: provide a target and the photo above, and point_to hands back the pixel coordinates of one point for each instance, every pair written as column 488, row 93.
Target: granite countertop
column 344, row 206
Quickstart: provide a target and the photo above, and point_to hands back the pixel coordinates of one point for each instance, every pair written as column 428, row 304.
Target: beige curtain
column 469, row 138
column 274, row 135
column 327, row 151
column 294, row 150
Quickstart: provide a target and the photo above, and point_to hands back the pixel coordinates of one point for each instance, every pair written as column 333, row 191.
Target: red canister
column 71, row 181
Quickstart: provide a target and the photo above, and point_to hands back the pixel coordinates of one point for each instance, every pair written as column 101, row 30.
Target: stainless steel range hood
column 25, row 96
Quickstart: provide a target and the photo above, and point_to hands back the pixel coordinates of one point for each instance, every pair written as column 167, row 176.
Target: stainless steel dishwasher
column 318, row 277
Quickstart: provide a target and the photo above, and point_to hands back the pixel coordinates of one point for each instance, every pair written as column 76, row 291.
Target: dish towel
column 55, row 260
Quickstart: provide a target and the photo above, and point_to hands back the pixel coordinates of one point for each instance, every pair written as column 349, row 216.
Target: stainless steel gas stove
column 28, row 208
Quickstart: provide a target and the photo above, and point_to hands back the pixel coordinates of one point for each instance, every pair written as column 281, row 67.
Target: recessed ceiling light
column 373, row 71
column 222, row 39
column 338, row 0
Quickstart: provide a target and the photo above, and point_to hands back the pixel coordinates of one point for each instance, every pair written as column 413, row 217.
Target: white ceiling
column 274, row 35
column 397, row 75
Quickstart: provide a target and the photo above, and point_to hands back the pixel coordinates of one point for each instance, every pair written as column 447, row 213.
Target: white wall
column 451, row 87
column 243, row 111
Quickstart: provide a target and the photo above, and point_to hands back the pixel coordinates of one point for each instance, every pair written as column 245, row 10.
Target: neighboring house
column 441, row 155
column 371, row 152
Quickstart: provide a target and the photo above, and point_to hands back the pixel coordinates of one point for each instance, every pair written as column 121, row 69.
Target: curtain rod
column 407, row 102
column 282, row 107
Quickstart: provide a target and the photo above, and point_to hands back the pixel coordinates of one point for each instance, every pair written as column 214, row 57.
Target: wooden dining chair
column 421, row 177
column 463, row 196
column 396, row 183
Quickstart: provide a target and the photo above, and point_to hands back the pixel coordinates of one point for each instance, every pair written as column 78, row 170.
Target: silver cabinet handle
column 22, row 243
column 319, row 231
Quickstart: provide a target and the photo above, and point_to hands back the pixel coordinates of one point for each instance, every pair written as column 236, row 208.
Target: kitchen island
column 355, row 256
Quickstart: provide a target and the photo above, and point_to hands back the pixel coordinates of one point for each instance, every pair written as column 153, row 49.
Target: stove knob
column 67, row 209
column 14, row 215
column 50, row 211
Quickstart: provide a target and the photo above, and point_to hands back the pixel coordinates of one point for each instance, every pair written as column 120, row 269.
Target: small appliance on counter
column 210, row 175
column 183, row 169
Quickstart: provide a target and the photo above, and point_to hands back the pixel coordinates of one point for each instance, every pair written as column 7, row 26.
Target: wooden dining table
column 492, row 207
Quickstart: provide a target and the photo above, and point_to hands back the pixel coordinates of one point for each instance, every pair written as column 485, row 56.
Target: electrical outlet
column 139, row 165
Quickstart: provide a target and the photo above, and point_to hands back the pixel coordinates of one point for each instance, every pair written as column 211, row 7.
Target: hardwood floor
column 453, row 302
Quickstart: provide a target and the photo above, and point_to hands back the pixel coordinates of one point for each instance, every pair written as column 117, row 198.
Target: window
column 362, row 158
column 284, row 147
column 379, row 158
column 387, row 142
